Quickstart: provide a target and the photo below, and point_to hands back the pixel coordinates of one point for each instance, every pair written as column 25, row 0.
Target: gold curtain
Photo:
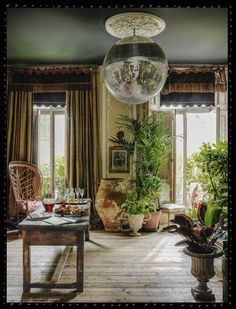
column 19, row 136
column 82, row 143
column 142, row 111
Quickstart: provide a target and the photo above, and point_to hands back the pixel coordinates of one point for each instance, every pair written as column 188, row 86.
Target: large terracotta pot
column 202, row 267
column 152, row 224
column 109, row 198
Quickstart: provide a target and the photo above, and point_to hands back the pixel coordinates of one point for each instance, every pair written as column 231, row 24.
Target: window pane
column 179, row 159
column 201, row 127
column 59, row 151
column 44, row 150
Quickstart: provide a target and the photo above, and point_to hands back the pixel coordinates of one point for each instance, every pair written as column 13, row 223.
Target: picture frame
column 118, row 160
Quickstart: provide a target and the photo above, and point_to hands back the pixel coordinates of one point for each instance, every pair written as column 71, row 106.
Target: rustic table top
column 29, row 224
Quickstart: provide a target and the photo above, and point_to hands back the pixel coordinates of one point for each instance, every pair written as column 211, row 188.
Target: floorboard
column 118, row 268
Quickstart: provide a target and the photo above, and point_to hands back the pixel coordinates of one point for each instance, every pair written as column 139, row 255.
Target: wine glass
column 67, row 193
column 77, row 191
column 81, row 191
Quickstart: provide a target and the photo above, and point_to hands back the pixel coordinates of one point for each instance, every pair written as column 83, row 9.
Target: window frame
column 52, row 112
column 184, row 112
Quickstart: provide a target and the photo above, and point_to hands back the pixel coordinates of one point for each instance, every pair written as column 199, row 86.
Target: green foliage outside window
column 209, row 168
column 59, row 176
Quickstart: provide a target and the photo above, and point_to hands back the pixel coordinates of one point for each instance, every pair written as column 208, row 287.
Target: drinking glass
column 67, row 193
column 77, row 191
column 81, row 191
column 48, row 202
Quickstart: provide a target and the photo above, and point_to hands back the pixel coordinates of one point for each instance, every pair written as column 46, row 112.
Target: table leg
column 26, row 261
column 87, row 234
column 80, row 267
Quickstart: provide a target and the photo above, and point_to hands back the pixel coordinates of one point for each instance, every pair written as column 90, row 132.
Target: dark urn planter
column 202, row 267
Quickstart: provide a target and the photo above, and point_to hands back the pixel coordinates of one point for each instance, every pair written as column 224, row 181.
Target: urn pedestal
column 202, row 267
column 109, row 198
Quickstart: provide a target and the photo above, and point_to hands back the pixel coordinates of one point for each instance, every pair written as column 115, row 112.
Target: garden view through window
column 51, row 148
column 192, row 130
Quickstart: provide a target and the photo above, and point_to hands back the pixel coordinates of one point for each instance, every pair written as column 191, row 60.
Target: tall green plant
column 152, row 145
column 211, row 172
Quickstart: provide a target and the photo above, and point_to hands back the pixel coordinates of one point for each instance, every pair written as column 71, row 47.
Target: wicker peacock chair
column 26, row 181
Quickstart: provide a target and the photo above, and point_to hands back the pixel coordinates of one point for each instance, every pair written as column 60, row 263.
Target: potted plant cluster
column 149, row 149
column 200, row 240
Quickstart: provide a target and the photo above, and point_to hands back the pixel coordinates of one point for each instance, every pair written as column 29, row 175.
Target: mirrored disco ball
column 135, row 69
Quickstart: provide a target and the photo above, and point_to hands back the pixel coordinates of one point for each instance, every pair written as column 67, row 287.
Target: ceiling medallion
column 135, row 68
column 145, row 24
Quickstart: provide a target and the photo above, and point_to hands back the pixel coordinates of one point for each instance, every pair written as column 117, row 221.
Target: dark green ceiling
column 78, row 36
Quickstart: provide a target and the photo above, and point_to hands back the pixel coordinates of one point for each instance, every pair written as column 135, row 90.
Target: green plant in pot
column 149, row 148
column 135, row 209
column 209, row 168
column 201, row 248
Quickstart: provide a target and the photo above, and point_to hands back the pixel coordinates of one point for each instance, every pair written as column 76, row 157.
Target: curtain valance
column 195, row 79
column 50, row 79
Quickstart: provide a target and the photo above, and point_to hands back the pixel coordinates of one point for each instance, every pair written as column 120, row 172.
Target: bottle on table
column 71, row 196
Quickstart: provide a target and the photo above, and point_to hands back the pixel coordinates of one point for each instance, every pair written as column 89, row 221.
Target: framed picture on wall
column 118, row 160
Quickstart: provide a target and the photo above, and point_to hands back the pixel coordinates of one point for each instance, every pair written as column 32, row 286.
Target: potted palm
column 149, row 149
column 135, row 209
column 201, row 248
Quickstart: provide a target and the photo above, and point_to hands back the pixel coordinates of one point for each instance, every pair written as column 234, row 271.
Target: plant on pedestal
column 201, row 247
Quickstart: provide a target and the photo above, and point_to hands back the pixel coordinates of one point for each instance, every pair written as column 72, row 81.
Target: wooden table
column 39, row 233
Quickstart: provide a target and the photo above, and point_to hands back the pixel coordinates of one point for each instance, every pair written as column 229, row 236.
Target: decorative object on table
column 135, row 68
column 152, row 144
column 202, row 249
column 118, row 160
column 111, row 194
column 136, row 210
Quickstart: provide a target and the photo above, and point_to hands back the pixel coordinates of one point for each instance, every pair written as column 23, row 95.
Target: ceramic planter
column 202, row 268
column 109, row 198
column 135, row 222
column 153, row 223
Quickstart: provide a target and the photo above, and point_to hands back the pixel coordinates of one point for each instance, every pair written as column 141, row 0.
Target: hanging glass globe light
column 135, row 68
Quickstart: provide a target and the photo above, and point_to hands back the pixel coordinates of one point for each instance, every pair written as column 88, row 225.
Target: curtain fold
column 82, row 146
column 19, row 136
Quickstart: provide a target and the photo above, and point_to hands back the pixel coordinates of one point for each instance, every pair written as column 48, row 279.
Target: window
column 49, row 144
column 191, row 129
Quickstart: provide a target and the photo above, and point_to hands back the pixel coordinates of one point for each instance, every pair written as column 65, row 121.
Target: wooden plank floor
column 118, row 268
